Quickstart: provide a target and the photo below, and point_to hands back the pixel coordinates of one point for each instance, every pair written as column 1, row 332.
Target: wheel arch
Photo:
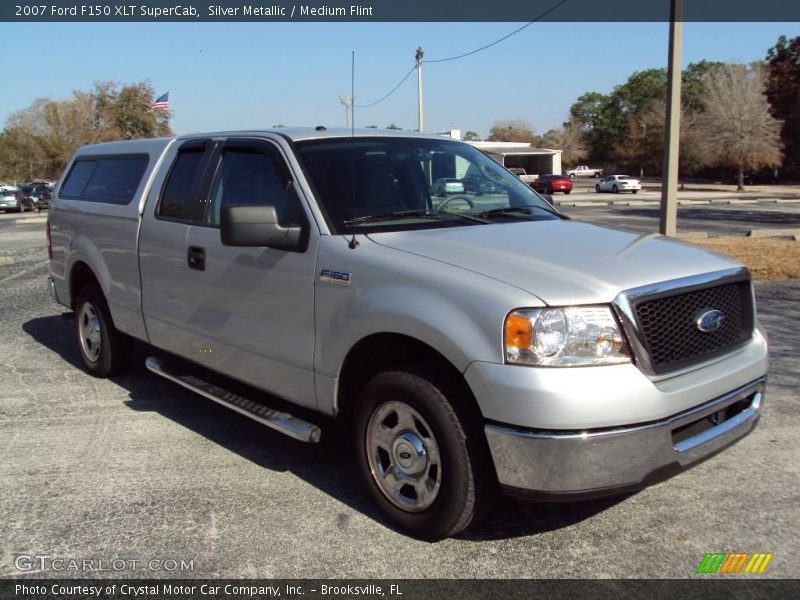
column 81, row 275
column 380, row 351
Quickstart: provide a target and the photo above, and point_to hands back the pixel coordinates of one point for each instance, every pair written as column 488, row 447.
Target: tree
column 393, row 126
column 570, row 139
column 642, row 148
column 783, row 93
column 471, row 136
column 737, row 127
column 693, row 82
column 39, row 140
column 612, row 121
column 513, row 130
column 372, row 126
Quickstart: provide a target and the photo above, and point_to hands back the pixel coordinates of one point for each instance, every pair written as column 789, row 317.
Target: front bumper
column 563, row 465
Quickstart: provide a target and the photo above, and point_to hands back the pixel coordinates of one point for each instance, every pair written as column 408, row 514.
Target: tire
column 597, row 187
column 572, row 175
column 567, row 192
column 615, row 189
column 445, row 483
column 104, row 350
column 634, row 191
column 597, row 174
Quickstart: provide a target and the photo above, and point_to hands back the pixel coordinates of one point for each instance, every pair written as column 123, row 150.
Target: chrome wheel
column 403, row 456
column 89, row 330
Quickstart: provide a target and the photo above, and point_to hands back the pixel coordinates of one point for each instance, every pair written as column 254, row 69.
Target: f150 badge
column 334, row 277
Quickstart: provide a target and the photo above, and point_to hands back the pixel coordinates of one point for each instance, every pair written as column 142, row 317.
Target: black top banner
column 397, row 10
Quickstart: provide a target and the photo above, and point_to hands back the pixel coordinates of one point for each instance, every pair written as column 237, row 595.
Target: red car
column 550, row 184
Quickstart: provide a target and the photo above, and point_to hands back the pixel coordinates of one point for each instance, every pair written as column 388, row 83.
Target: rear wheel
column 572, row 175
column 615, row 189
column 105, row 350
column 423, row 468
column 634, row 191
column 567, row 192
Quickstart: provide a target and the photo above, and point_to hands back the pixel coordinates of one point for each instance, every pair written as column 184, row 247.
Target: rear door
column 163, row 258
column 253, row 308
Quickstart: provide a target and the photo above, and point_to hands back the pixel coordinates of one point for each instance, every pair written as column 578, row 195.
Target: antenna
column 353, row 243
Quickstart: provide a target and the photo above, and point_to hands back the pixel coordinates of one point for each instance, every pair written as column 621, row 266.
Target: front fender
column 458, row 313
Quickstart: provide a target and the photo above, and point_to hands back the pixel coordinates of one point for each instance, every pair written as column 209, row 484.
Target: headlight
column 564, row 337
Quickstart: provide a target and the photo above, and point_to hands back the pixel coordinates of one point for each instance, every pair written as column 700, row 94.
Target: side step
column 279, row 421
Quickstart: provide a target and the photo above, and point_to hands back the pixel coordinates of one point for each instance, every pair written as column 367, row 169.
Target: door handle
column 197, row 258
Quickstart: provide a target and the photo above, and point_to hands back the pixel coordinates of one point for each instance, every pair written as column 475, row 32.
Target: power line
column 441, row 60
column 505, row 37
column 392, row 91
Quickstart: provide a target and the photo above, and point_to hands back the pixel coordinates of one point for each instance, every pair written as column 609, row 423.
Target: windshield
column 389, row 184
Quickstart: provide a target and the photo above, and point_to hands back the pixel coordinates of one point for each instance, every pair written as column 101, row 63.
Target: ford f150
column 473, row 342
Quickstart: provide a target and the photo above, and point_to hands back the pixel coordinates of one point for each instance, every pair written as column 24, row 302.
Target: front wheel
column 615, row 189
column 105, row 350
column 597, row 188
column 420, row 464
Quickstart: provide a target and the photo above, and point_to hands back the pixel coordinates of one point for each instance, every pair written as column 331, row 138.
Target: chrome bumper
column 568, row 464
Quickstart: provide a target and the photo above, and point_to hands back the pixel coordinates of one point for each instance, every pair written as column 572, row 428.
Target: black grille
column 669, row 325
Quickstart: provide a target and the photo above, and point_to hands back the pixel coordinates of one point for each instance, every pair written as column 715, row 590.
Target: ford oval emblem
column 710, row 320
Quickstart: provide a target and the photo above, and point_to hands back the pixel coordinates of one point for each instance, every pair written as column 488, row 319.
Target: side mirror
column 257, row 225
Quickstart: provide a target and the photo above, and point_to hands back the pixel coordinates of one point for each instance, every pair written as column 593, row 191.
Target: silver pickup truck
column 473, row 343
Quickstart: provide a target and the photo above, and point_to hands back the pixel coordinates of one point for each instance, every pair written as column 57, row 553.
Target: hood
column 560, row 262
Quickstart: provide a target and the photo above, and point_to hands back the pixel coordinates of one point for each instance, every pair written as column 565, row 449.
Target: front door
column 253, row 308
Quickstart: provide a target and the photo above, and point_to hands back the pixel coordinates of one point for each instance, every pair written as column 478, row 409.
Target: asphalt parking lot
column 136, row 468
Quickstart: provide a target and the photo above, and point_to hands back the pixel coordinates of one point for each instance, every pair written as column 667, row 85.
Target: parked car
column 448, row 185
column 523, row 174
column 478, row 184
column 504, row 348
column 618, row 183
column 12, row 200
column 550, row 184
column 762, row 177
column 39, row 194
column 583, row 171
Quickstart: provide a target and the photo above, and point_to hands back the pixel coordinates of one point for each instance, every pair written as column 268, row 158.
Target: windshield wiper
column 525, row 210
column 467, row 216
column 400, row 214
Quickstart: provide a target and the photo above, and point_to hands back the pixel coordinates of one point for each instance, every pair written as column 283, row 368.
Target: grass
column 768, row 259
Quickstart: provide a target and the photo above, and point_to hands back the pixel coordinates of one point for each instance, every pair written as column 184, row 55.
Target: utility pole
column 669, row 183
column 418, row 56
column 347, row 101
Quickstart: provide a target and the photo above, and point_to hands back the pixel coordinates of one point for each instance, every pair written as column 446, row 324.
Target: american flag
column 161, row 103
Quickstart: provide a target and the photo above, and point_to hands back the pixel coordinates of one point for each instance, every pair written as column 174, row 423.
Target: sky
column 253, row 75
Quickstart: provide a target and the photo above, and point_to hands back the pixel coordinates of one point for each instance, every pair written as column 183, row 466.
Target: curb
column 764, row 233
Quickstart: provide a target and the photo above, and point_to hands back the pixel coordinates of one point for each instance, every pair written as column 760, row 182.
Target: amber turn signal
column 518, row 331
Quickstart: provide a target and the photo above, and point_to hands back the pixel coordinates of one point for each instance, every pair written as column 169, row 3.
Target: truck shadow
column 329, row 466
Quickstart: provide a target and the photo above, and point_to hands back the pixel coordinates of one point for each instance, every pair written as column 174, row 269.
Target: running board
column 274, row 419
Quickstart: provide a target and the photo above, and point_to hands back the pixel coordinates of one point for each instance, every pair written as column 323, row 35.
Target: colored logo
column 710, row 320
column 734, row 562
